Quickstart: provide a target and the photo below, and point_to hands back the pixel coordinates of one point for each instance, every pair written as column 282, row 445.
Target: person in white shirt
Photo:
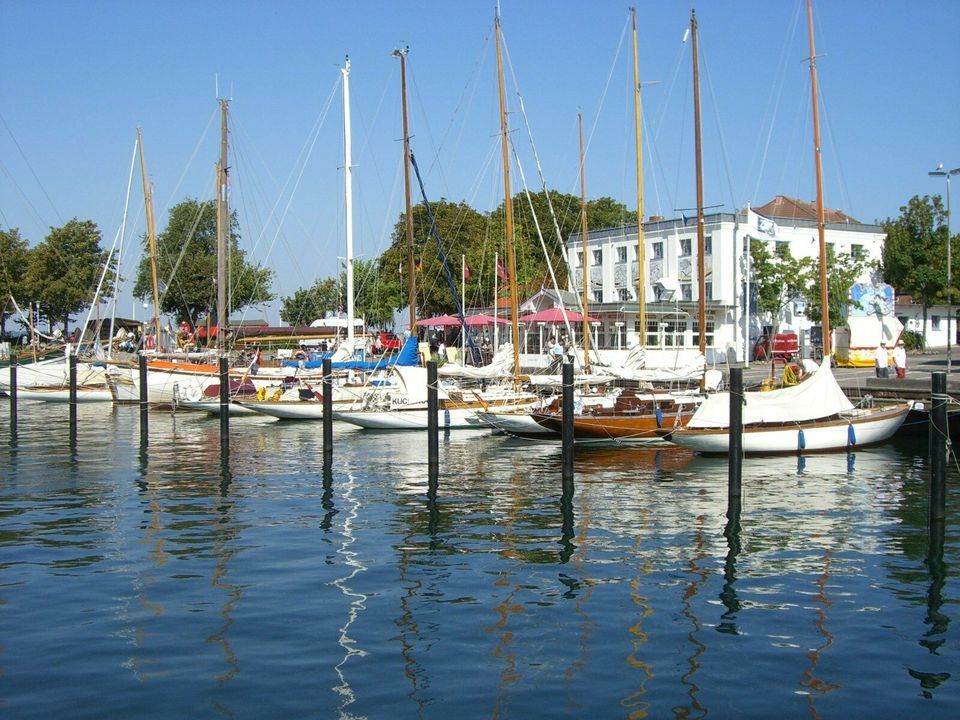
column 881, row 361
column 900, row 361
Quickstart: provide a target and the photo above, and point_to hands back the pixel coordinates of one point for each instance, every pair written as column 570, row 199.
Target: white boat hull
column 62, row 395
column 455, row 419
column 857, row 429
column 286, row 410
column 515, row 423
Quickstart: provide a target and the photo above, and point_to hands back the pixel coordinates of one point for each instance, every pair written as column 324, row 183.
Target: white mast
column 348, row 195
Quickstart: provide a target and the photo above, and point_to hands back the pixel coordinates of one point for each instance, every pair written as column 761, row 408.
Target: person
column 900, row 361
column 442, row 350
column 551, row 341
column 556, row 356
column 881, row 361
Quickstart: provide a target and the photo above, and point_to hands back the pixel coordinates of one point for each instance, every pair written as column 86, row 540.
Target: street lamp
column 940, row 172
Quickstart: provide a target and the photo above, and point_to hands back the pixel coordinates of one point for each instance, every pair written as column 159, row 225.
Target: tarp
column 818, row 396
column 407, row 356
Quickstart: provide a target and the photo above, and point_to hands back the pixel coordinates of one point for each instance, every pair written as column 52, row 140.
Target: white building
column 671, row 280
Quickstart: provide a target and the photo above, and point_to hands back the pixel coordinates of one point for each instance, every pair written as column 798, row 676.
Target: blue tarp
column 407, row 356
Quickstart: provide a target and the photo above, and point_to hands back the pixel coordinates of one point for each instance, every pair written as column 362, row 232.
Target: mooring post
column 566, row 419
column 939, row 436
column 224, row 401
column 144, row 428
column 735, row 449
column 327, row 385
column 13, row 394
column 433, row 444
column 73, row 392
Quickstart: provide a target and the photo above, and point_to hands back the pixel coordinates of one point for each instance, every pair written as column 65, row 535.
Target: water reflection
column 814, row 685
column 728, row 594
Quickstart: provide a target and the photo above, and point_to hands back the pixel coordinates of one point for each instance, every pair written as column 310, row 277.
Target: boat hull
column 459, row 419
column 62, row 395
column 640, row 428
column 858, row 429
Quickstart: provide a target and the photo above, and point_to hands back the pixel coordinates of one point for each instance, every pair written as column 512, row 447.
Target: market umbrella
column 554, row 315
column 439, row 321
column 481, row 319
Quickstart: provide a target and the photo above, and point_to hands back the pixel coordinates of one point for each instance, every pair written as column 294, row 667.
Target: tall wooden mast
column 348, row 195
column 151, row 235
column 223, row 234
column 583, row 238
column 508, row 210
column 641, row 254
column 408, row 212
column 825, row 307
column 701, row 277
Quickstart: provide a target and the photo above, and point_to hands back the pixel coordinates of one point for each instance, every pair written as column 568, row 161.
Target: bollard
column 144, row 428
column 13, row 394
column 566, row 427
column 327, row 384
column 939, row 432
column 735, row 447
column 73, row 393
column 224, row 402
column 433, row 449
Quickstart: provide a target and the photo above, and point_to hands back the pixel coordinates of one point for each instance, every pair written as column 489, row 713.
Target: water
column 154, row 584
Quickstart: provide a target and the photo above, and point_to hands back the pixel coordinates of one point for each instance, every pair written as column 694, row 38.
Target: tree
column 914, row 240
column 14, row 253
column 843, row 270
column 309, row 304
column 63, row 271
column 778, row 277
column 187, row 266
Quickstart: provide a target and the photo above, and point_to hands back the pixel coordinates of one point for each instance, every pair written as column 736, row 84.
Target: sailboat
column 812, row 415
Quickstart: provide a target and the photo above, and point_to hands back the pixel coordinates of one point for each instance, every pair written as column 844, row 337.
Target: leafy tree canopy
column 63, row 270
column 914, row 241
column 187, row 266
column 14, row 253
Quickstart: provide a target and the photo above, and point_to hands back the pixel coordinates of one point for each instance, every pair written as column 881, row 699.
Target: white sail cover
column 818, row 396
column 501, row 365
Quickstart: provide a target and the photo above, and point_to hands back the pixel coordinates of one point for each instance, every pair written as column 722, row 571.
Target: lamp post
column 940, row 172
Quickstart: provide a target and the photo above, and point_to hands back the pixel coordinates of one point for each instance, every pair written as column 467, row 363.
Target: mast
column 701, row 278
column 508, row 211
column 825, row 308
column 348, row 195
column 583, row 239
column 151, row 236
column 641, row 259
column 411, row 270
column 223, row 231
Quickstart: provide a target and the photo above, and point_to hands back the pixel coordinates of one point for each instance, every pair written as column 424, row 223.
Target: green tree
column 14, row 254
column 376, row 294
column 187, row 266
column 309, row 304
column 914, row 241
column 843, row 270
column 63, row 271
column 777, row 276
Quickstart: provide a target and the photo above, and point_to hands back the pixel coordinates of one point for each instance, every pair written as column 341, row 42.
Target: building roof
column 788, row 208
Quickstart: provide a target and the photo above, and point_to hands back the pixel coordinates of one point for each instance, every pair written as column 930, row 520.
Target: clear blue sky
column 79, row 77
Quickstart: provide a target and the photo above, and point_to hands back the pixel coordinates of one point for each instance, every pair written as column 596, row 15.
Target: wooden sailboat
column 812, row 415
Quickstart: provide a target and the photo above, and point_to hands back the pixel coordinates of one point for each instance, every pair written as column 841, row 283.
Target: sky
column 79, row 77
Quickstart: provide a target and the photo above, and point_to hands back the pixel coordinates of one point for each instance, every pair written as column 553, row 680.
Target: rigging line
column 606, row 89
column 193, row 156
column 716, row 117
column 36, row 214
column 426, row 121
column 844, row 193
column 774, row 99
column 30, row 167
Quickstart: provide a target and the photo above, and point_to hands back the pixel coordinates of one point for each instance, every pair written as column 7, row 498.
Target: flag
column 467, row 272
column 502, row 271
column 418, row 264
column 762, row 225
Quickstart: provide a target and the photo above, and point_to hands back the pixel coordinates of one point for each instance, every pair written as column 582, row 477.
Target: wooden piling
column 224, row 401
column 433, row 444
column 566, row 428
column 735, row 449
column 13, row 394
column 144, row 427
column 327, row 385
column 939, row 432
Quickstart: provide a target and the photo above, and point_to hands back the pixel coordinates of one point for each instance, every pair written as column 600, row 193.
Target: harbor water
column 161, row 582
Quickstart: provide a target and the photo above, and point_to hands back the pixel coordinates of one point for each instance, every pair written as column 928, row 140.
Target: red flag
column 467, row 272
column 501, row 270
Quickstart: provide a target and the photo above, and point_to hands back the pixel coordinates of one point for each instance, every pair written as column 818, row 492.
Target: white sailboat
column 812, row 415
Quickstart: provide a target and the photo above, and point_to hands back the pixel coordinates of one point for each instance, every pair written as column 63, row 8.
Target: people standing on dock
column 882, row 361
column 900, row 361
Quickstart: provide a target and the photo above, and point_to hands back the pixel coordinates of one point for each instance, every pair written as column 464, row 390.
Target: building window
column 696, row 333
column 653, row 333
column 578, row 259
column 598, row 295
column 856, row 252
column 686, row 290
column 657, row 250
column 708, row 245
column 622, row 254
column 684, row 247
column 624, row 294
column 934, row 322
column 708, row 290
column 598, row 257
